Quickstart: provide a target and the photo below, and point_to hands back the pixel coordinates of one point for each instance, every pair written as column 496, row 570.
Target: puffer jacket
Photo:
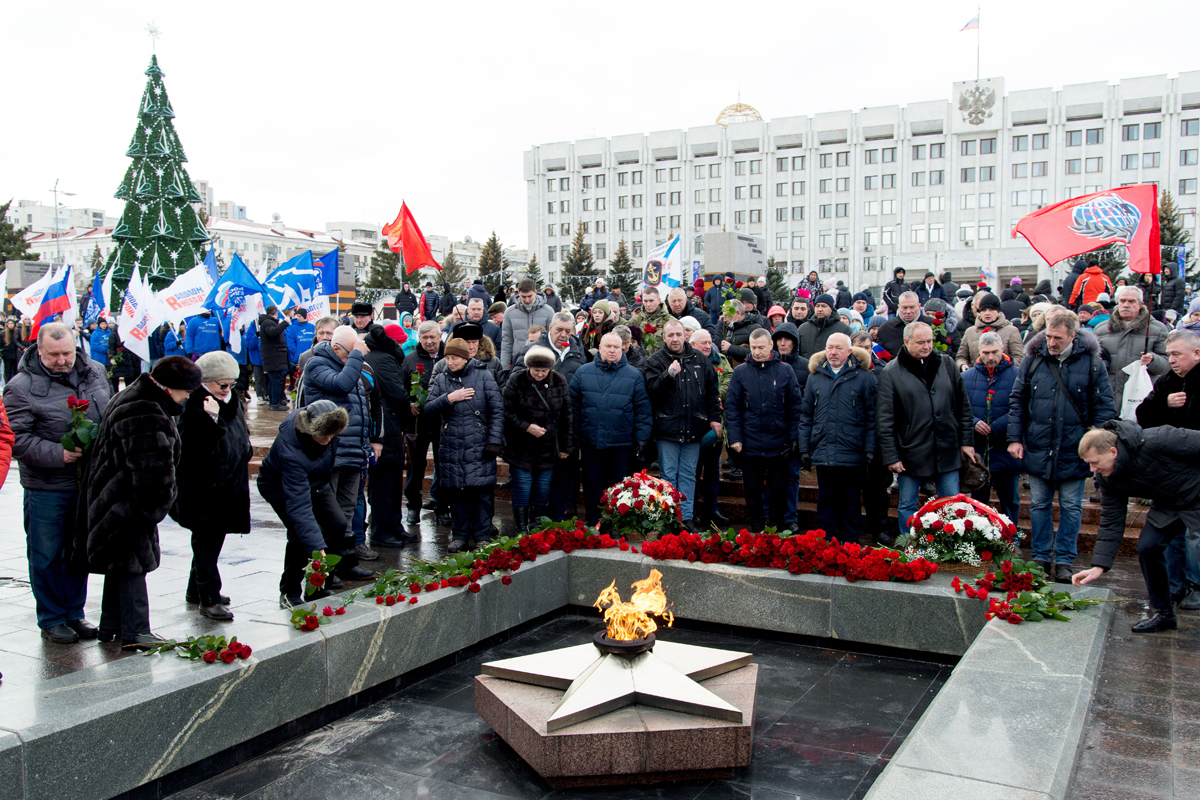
column 294, row 468
column 815, row 332
column 685, row 403
column 272, row 338
column 545, row 403
column 609, row 405
column 429, row 304
column 793, row 359
column 213, row 477
column 1161, row 465
column 923, row 415
column 1044, row 421
column 979, row 380
column 1173, row 291
column 39, row 417
column 1124, row 342
column 738, row 336
column 762, row 407
column 386, row 363
column 837, row 413
column 467, row 427
column 968, row 348
column 518, row 319
column 130, row 482
column 327, row 378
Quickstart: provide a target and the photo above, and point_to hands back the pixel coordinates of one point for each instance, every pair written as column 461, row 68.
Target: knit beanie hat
column 603, row 306
column 825, row 298
column 177, row 372
column 456, row 347
column 217, row 366
column 747, row 296
column 989, row 300
column 395, row 332
column 876, row 321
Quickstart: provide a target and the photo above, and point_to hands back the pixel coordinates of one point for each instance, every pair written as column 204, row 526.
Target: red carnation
column 379, row 600
column 929, row 537
column 340, row 610
column 412, row 601
column 327, row 611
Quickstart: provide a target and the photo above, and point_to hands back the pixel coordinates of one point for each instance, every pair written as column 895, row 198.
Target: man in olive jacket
column 925, row 424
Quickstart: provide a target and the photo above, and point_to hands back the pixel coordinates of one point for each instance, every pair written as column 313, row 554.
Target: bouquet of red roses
column 83, row 430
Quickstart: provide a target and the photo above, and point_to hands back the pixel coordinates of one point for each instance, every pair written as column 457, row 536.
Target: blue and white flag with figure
column 239, row 296
column 294, row 283
column 664, row 267
column 97, row 301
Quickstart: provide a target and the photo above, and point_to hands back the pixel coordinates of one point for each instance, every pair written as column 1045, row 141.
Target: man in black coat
column 891, row 333
column 682, row 385
column 925, row 424
column 1175, row 401
column 475, row 313
column 421, row 362
column 447, row 301
column 678, row 306
column 1173, row 291
column 1010, row 306
column 894, row 289
column 387, row 475
column 1068, row 284
column 762, row 409
column 948, row 285
column 271, row 332
column 735, row 333
column 817, row 329
column 1161, row 465
column 406, row 300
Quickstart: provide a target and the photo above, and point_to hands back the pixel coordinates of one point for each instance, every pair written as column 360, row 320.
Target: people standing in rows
column 530, row 309
column 129, row 486
column 53, row 369
column 213, row 478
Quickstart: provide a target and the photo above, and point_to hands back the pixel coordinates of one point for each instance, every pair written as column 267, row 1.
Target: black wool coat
column 273, row 343
column 213, row 477
column 545, row 403
column 387, row 364
column 130, row 483
column 923, row 415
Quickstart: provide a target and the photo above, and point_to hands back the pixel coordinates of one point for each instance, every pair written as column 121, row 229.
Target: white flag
column 72, row 313
column 133, row 325
column 185, row 296
column 107, row 289
column 29, row 299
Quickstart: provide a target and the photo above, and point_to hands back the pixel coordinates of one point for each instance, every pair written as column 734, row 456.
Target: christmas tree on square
column 159, row 229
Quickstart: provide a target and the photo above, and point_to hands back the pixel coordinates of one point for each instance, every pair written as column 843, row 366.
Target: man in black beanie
column 130, row 487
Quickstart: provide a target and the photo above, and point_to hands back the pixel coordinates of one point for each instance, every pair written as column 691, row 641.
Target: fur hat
column 496, row 307
column 456, row 347
column 538, row 356
column 825, row 298
column 989, row 300
column 322, row 418
column 217, row 366
column 358, row 309
column 177, row 372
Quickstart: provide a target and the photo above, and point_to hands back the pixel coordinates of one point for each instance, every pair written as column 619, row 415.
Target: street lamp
column 57, row 241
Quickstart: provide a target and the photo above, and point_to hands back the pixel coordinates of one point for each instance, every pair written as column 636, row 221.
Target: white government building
column 935, row 185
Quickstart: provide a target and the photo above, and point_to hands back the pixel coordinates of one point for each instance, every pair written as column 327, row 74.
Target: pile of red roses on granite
column 1028, row 595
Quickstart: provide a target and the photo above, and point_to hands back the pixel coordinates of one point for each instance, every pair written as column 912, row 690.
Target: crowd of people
column 873, row 397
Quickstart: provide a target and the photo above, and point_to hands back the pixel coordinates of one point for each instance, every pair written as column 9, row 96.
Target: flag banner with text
column 405, row 237
column 186, row 295
column 29, row 300
column 1128, row 215
column 239, row 295
column 664, row 268
column 56, row 300
column 134, row 322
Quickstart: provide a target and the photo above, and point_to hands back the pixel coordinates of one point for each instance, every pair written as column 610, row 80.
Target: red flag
column 1082, row 224
column 404, row 236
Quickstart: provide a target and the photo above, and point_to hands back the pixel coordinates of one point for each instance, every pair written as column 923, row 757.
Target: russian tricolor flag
column 56, row 300
column 972, row 25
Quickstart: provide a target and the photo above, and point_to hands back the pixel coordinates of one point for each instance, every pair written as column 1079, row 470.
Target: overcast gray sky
column 338, row 111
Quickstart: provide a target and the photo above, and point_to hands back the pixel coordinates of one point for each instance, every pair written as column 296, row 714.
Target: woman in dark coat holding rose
column 214, row 477
column 537, row 432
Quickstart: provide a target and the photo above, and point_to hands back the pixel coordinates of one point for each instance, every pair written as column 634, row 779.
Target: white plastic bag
column 1137, row 387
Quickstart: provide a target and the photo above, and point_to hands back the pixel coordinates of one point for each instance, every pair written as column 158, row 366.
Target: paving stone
column 906, row 783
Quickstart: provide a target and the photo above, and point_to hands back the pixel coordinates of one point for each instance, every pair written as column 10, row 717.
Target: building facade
column 934, row 185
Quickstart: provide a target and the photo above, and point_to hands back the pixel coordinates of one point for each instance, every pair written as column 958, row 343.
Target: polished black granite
column 826, row 723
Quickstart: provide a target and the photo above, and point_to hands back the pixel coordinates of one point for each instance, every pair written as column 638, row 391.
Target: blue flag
column 96, row 301
column 239, row 295
column 210, row 262
column 294, row 282
column 327, row 272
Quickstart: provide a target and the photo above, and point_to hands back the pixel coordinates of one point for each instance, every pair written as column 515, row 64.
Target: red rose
column 473, row 588
column 420, row 368
column 210, row 656
column 960, row 512
column 929, row 537
column 316, row 565
column 390, row 599
column 412, row 601
column 340, row 610
column 316, row 579
column 327, row 611
column 1015, row 619
column 379, row 600
column 228, row 656
column 245, row 651
column 506, row 580
column 312, row 622
column 414, row 587
column 986, row 556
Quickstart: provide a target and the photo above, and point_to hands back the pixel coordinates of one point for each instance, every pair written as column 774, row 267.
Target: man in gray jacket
column 49, row 373
column 1123, row 338
column 531, row 309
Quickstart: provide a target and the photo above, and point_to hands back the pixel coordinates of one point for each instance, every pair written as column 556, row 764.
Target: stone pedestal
column 636, row 744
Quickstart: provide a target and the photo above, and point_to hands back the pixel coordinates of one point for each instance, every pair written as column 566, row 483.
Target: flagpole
column 977, row 35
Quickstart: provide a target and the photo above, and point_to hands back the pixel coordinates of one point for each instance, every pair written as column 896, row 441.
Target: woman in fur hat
column 537, row 432
column 216, row 452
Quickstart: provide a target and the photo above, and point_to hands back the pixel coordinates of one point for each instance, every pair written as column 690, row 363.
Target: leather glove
column 639, row 451
column 806, row 462
column 491, row 452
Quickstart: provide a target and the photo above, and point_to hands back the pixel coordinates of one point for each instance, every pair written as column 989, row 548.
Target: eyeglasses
column 225, row 386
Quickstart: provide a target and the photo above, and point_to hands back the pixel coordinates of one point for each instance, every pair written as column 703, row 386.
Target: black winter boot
column 521, row 518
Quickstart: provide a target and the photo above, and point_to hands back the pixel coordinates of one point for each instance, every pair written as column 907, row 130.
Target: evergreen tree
column 158, row 230
column 578, row 272
column 776, row 286
column 491, row 264
column 533, row 271
column 97, row 262
column 1172, row 232
column 384, row 266
column 12, row 240
column 621, row 272
column 453, row 272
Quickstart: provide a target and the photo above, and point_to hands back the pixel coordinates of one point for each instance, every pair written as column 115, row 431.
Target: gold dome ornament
column 738, row 112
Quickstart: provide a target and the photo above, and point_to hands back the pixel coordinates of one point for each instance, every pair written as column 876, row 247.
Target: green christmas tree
column 491, row 264
column 578, row 267
column 533, row 271
column 776, row 285
column 453, row 272
column 12, row 240
column 384, row 266
column 621, row 272
column 158, row 230
column 1172, row 233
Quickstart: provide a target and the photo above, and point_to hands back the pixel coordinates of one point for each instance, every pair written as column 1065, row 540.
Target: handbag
column 973, row 475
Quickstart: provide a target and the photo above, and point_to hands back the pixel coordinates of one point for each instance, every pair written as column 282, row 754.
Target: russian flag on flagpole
column 972, row 25
column 56, row 300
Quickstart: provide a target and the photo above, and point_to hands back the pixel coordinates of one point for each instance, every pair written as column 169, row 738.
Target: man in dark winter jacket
column 477, row 290
column 429, row 302
column 1010, row 306
column 924, row 419
column 892, row 291
column 552, row 298
column 762, row 409
column 612, row 416
column 335, row 372
column 714, row 298
column 949, row 286
column 891, row 333
column 678, row 306
column 989, row 386
column 759, row 287
column 786, row 339
column 1077, row 269
column 1173, row 291
column 837, row 432
column 421, row 361
column 272, row 337
column 446, row 302
column 1161, row 465
column 1059, row 393
column 817, row 329
column 1175, row 401
column 475, row 313
column 735, row 333
column 929, row 288
column 294, row 479
column 406, row 300
column 1123, row 337
column 842, row 296
column 53, row 369
column 682, row 386
column 386, row 360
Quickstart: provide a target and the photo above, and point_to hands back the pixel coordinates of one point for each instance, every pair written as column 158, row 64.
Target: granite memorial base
column 635, row 744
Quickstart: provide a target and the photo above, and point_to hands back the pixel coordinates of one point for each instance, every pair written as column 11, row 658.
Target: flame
column 628, row 621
